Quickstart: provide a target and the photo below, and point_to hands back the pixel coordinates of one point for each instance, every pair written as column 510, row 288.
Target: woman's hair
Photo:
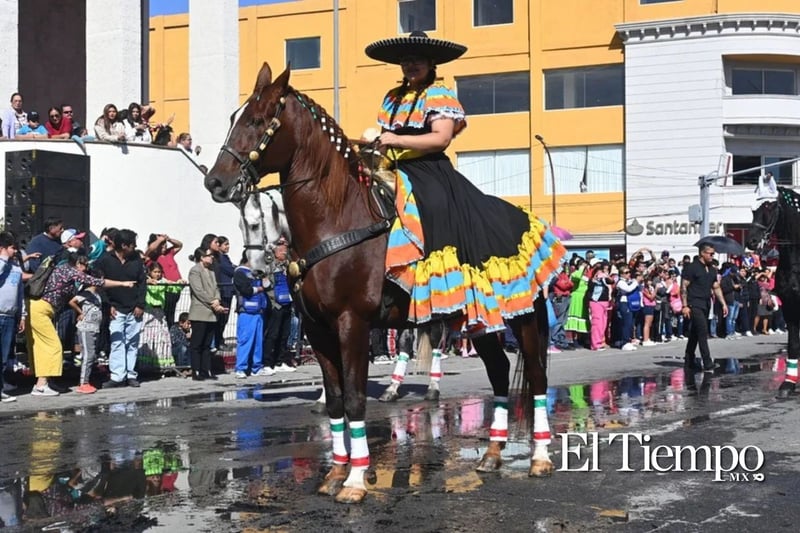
column 129, row 114
column 198, row 254
column 154, row 266
column 57, row 110
column 106, row 122
column 404, row 87
column 222, row 240
column 205, row 244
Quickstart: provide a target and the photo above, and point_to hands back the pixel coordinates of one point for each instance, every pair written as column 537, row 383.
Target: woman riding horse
column 452, row 250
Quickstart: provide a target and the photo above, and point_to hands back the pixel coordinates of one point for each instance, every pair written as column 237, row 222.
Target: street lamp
column 552, row 176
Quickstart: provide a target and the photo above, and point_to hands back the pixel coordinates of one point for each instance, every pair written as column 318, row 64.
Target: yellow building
column 548, row 68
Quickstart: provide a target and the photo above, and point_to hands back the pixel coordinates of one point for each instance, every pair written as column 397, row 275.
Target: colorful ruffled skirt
column 457, row 251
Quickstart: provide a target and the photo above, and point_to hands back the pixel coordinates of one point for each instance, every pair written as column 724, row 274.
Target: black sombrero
column 417, row 44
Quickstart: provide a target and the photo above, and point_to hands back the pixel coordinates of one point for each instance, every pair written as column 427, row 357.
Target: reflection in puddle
column 415, row 447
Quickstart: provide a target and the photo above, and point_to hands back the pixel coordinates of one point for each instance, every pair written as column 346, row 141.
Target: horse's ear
column 264, row 77
column 282, row 81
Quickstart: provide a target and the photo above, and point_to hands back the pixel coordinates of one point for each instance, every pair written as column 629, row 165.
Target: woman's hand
column 391, row 140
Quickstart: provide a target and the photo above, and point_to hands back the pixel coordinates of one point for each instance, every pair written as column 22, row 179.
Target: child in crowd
column 88, row 305
column 180, row 333
column 155, row 346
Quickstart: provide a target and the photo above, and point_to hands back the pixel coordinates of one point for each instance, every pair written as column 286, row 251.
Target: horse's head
column 258, row 142
column 765, row 218
column 263, row 223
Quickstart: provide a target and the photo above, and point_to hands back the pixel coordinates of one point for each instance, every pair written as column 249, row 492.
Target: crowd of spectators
column 131, row 125
column 636, row 302
column 107, row 313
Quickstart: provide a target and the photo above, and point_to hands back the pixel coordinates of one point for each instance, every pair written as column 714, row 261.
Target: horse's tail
column 424, row 349
column 521, row 380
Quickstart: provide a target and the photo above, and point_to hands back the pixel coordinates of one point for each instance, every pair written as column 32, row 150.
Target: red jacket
column 563, row 285
column 64, row 127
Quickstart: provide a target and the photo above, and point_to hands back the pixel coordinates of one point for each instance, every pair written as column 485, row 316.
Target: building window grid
column 786, row 174
column 303, row 53
column 497, row 172
column 749, row 80
column 416, row 15
column 492, row 12
column 590, row 169
column 574, row 88
column 491, row 94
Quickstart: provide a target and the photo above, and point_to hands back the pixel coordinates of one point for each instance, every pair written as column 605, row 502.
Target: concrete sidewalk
column 461, row 374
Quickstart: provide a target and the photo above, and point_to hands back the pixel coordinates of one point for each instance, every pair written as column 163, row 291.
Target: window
column 490, row 12
column 495, row 93
column 303, row 53
column 584, row 87
column 784, row 174
column 417, row 15
column 498, row 172
column 762, row 81
column 585, row 168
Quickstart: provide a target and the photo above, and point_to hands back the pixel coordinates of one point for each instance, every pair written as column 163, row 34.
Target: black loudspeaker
column 42, row 184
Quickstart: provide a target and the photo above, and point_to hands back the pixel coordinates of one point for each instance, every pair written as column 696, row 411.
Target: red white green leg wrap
column 541, row 428
column 498, row 431
column 359, row 455
column 791, row 370
column 436, row 366
column 400, row 369
column 340, row 456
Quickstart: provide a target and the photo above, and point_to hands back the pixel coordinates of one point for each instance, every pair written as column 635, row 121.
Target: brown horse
column 339, row 230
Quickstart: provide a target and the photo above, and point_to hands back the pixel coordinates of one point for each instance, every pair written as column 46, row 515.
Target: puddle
column 241, row 465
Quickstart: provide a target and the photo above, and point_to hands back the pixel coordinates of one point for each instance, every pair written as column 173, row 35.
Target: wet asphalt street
column 247, row 455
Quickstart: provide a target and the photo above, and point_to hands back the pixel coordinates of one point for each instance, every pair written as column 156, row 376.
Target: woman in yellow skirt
column 43, row 341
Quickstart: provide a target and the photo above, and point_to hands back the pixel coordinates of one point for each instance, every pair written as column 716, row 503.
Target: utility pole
column 705, row 183
column 336, row 60
column 552, row 177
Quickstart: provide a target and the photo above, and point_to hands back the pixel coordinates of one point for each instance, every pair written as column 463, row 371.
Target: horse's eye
column 254, row 226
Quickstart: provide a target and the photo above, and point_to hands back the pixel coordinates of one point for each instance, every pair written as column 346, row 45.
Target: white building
column 696, row 89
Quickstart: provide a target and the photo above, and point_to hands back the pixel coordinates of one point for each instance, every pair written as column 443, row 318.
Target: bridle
column 248, row 175
column 267, row 247
column 770, row 228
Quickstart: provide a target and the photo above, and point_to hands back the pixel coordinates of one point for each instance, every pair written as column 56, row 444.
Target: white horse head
column 263, row 222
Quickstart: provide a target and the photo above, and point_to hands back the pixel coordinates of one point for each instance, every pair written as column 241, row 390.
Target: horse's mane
column 321, row 135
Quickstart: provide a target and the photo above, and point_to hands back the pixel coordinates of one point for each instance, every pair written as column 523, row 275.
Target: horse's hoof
column 370, row 477
column 489, row 463
column 786, row 389
column 541, row 468
column 389, row 395
column 318, row 408
column 351, row 495
column 432, row 395
column 333, row 482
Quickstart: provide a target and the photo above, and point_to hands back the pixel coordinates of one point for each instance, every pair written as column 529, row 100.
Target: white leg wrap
column 359, row 460
column 340, row 456
column 541, row 428
column 499, row 428
column 400, row 369
column 436, row 366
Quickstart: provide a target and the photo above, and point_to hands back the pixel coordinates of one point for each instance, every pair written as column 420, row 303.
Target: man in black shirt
column 127, row 307
column 699, row 278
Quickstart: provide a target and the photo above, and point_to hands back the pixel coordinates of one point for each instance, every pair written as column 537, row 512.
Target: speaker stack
column 42, row 184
